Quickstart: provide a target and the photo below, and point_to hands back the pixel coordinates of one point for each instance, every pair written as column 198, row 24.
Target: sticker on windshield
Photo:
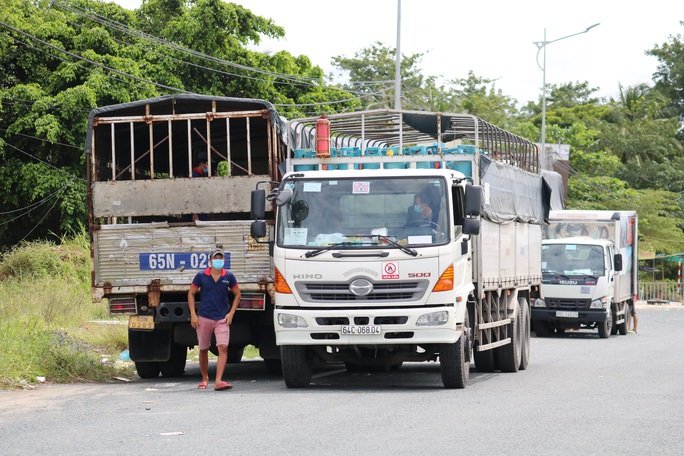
column 361, row 187
column 312, row 187
column 295, row 236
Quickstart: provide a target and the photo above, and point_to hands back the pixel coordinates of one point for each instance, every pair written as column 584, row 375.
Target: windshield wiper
column 313, row 253
column 404, row 249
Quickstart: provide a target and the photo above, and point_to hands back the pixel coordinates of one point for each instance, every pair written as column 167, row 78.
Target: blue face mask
column 206, row 171
column 416, row 208
column 217, row 264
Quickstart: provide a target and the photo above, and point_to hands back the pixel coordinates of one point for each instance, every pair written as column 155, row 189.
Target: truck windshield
column 573, row 259
column 358, row 212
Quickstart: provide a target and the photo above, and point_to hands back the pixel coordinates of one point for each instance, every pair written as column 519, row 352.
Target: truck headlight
column 291, row 321
column 539, row 303
column 433, row 319
column 601, row 303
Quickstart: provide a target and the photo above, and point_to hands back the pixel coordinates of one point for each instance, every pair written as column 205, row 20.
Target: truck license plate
column 361, row 330
column 141, row 322
column 567, row 314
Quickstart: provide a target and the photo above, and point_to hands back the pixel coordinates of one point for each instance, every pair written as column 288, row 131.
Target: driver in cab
column 419, row 212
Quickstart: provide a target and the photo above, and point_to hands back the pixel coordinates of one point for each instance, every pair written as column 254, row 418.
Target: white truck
column 153, row 224
column 416, row 240
column 589, row 264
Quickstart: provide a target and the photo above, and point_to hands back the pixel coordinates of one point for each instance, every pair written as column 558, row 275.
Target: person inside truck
column 215, row 315
column 201, row 169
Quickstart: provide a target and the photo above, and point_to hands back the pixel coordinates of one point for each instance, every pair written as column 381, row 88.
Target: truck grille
column 572, row 304
column 382, row 292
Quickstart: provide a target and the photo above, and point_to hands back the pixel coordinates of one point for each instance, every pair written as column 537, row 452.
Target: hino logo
column 360, row 287
column 567, row 282
column 307, row 276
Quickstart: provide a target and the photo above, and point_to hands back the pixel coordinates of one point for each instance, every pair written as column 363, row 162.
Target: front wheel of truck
column 605, row 327
column 147, row 369
column 297, row 366
column 454, row 359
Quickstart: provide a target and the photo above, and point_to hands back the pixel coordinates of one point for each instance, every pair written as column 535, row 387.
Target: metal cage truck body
column 390, row 250
column 153, row 224
column 589, row 263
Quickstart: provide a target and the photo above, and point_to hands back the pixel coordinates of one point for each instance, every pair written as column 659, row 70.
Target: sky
column 493, row 39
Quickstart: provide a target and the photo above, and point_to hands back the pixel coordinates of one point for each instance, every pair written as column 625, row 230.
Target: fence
column 660, row 291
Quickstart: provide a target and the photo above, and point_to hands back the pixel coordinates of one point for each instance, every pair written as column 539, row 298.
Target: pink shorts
column 208, row 327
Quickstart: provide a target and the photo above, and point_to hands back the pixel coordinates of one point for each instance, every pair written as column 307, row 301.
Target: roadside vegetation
column 49, row 328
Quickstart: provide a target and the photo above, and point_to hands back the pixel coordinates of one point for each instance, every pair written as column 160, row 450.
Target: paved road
column 580, row 395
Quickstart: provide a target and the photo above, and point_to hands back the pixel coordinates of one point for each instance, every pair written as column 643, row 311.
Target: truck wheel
column 175, row 366
column 297, row 367
column 605, row 327
column 510, row 356
column 454, row 359
column 484, row 360
column 622, row 327
column 525, row 322
column 235, row 353
column 542, row 328
column 147, row 369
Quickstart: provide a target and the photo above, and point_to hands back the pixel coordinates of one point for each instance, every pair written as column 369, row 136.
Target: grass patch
column 45, row 310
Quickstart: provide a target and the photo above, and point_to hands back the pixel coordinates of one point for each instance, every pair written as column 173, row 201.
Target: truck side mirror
column 473, row 200
column 471, row 226
column 258, row 204
column 617, row 259
column 257, row 229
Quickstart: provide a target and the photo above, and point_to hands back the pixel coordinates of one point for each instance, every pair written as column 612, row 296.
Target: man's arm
column 194, row 321
column 237, row 295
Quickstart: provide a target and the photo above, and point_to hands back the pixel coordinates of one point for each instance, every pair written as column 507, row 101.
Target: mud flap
column 150, row 345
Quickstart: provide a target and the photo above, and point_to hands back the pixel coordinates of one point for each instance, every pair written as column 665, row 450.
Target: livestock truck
column 405, row 236
column 153, row 224
column 589, row 266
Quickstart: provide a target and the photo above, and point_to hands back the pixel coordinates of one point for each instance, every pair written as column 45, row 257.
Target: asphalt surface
column 580, row 395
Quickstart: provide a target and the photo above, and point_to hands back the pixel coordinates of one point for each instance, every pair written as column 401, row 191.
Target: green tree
column 669, row 76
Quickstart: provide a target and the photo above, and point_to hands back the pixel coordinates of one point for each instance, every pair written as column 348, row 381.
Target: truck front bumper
column 396, row 326
column 583, row 315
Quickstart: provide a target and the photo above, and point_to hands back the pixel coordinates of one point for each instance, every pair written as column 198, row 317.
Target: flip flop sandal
column 223, row 386
column 202, row 385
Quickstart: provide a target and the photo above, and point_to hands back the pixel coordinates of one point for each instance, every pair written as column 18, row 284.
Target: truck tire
column 542, row 328
column 605, row 327
column 147, row 369
column 484, row 360
column 509, row 356
column 235, row 353
column 525, row 322
column 297, row 366
column 454, row 359
column 175, row 366
column 622, row 327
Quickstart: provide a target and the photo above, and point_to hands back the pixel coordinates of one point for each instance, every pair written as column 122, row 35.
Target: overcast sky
column 494, row 39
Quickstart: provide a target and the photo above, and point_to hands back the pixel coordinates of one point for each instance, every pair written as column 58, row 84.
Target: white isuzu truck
column 417, row 239
column 589, row 264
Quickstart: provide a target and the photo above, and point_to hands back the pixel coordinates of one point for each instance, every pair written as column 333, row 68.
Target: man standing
column 215, row 315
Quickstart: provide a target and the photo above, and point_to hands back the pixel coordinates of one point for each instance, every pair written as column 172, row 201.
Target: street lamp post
column 542, row 45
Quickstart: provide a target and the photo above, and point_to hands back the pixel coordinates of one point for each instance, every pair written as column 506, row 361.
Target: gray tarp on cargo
column 512, row 194
column 555, row 181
